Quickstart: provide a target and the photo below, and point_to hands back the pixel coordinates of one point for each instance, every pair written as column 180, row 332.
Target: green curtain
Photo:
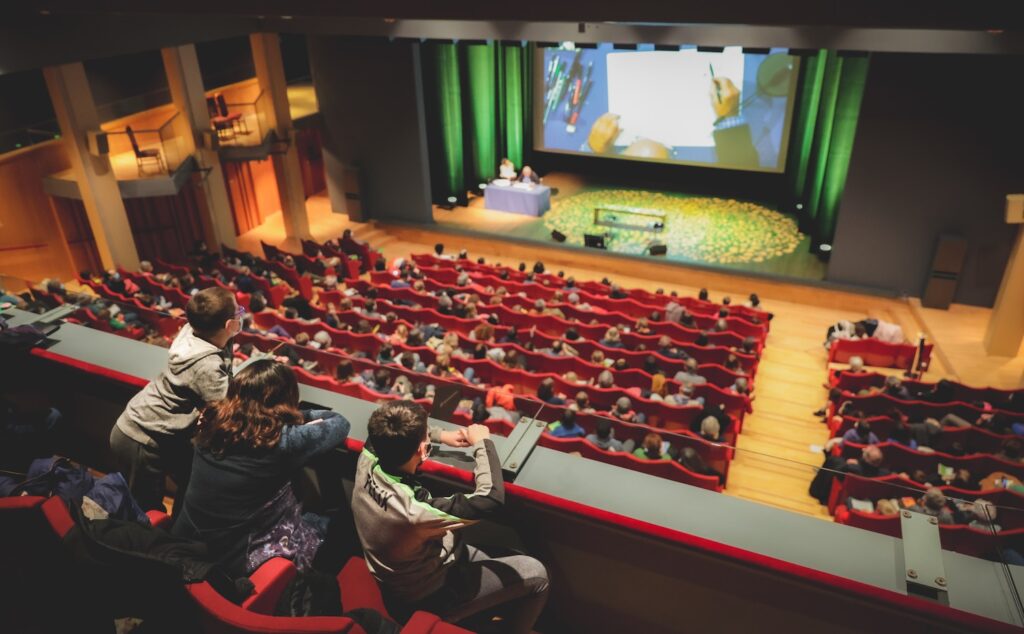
column 825, row 125
column 514, row 111
column 483, row 110
column 448, row 112
column 477, row 112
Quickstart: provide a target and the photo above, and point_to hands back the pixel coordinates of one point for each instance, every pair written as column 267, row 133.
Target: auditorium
column 447, row 317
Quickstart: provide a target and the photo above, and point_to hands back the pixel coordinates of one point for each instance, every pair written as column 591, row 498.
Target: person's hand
column 604, row 132
column 725, row 97
column 455, row 438
column 476, row 433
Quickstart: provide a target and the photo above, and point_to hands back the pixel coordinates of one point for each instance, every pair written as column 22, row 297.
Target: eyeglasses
column 240, row 312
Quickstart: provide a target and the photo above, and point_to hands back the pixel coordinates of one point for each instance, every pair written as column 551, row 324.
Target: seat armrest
column 269, row 582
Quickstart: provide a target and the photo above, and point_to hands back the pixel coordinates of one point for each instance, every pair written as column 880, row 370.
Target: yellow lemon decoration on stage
column 712, row 230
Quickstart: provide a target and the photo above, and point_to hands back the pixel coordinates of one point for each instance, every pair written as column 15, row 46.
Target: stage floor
column 719, row 233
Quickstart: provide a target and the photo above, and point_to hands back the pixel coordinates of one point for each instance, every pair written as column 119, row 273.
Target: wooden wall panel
column 31, row 244
column 166, row 227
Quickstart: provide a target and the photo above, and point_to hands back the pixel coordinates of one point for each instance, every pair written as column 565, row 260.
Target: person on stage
column 528, row 176
column 507, row 170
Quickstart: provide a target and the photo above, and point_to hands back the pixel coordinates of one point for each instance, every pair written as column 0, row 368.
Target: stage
column 718, row 233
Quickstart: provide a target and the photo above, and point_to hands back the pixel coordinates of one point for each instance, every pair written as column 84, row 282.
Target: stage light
column 799, row 206
column 483, row 186
column 825, row 248
column 453, row 199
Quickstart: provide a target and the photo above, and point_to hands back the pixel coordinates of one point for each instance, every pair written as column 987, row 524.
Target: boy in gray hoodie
column 153, row 435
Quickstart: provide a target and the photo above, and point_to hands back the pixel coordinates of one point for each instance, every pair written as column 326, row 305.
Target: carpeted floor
column 706, row 230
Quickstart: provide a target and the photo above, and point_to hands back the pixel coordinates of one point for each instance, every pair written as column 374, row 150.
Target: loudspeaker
column 658, row 249
column 99, row 144
column 593, row 241
column 1015, row 208
column 557, row 235
column 944, row 274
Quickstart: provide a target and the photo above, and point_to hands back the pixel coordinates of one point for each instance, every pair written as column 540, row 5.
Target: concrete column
column 266, row 56
column 1006, row 324
column 186, row 83
column 76, row 113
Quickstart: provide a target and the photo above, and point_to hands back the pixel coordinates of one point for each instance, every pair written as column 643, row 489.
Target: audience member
column 411, row 539
column 256, row 441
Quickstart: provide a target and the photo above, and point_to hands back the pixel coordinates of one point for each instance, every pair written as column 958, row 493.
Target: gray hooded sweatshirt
column 197, row 373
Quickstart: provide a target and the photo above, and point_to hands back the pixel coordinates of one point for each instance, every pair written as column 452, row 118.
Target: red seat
column 358, row 587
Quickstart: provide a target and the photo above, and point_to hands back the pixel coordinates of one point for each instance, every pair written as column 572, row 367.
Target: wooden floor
column 780, row 440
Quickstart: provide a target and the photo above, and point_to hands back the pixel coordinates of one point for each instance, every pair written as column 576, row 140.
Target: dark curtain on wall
column 824, row 126
column 75, row 224
column 309, row 144
column 477, row 107
column 166, row 227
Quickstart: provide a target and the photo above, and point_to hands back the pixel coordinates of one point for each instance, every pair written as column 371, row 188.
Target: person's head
column 741, row 385
column 860, row 331
column 652, row 445
column 597, row 357
column 572, row 334
column 322, row 339
column 439, row 248
column 539, row 305
column 691, row 365
column 261, row 400
column 755, row 301
column 522, row 265
column 934, row 499
column 527, row 170
column 605, row 379
column 872, row 455
column 612, row 334
column 702, row 340
column 1012, row 449
column 721, row 325
column 146, row 266
column 582, row 400
column 863, row 428
column 703, row 295
column 302, row 339
column 257, row 302
column 726, row 300
column 214, row 315
column 893, row 382
column 381, row 378
column 538, row 267
column 603, row 428
column 856, row 364
column 710, row 428
column 546, row 389
column 623, row 405
column 343, row 371
column 398, row 436
column 568, row 418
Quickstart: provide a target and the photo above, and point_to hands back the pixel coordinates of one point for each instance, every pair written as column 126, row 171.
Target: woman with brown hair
column 650, row 449
column 240, row 500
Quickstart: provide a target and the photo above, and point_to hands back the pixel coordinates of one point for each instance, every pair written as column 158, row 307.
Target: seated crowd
column 674, row 384
column 920, row 447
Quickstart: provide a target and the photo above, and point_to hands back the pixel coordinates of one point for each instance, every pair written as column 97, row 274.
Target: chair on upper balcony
column 145, row 157
column 236, row 119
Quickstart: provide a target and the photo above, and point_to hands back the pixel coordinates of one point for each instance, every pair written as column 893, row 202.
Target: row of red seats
column 972, row 439
column 525, row 295
column 857, row 381
column 1011, row 503
column 637, row 296
column 916, row 410
column 880, row 353
column 900, row 459
column 446, row 279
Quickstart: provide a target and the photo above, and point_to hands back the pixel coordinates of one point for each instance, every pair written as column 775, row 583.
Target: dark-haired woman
column 240, row 500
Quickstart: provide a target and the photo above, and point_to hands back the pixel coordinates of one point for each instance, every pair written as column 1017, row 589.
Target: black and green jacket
column 410, row 537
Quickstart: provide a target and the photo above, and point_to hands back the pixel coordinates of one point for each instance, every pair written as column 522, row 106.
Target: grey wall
column 939, row 144
column 371, row 107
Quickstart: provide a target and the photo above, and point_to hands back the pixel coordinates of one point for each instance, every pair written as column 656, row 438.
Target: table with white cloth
column 518, row 198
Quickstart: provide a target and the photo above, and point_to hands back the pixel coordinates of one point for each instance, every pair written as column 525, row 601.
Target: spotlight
column 799, row 206
column 824, row 248
column 453, row 199
column 483, row 186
